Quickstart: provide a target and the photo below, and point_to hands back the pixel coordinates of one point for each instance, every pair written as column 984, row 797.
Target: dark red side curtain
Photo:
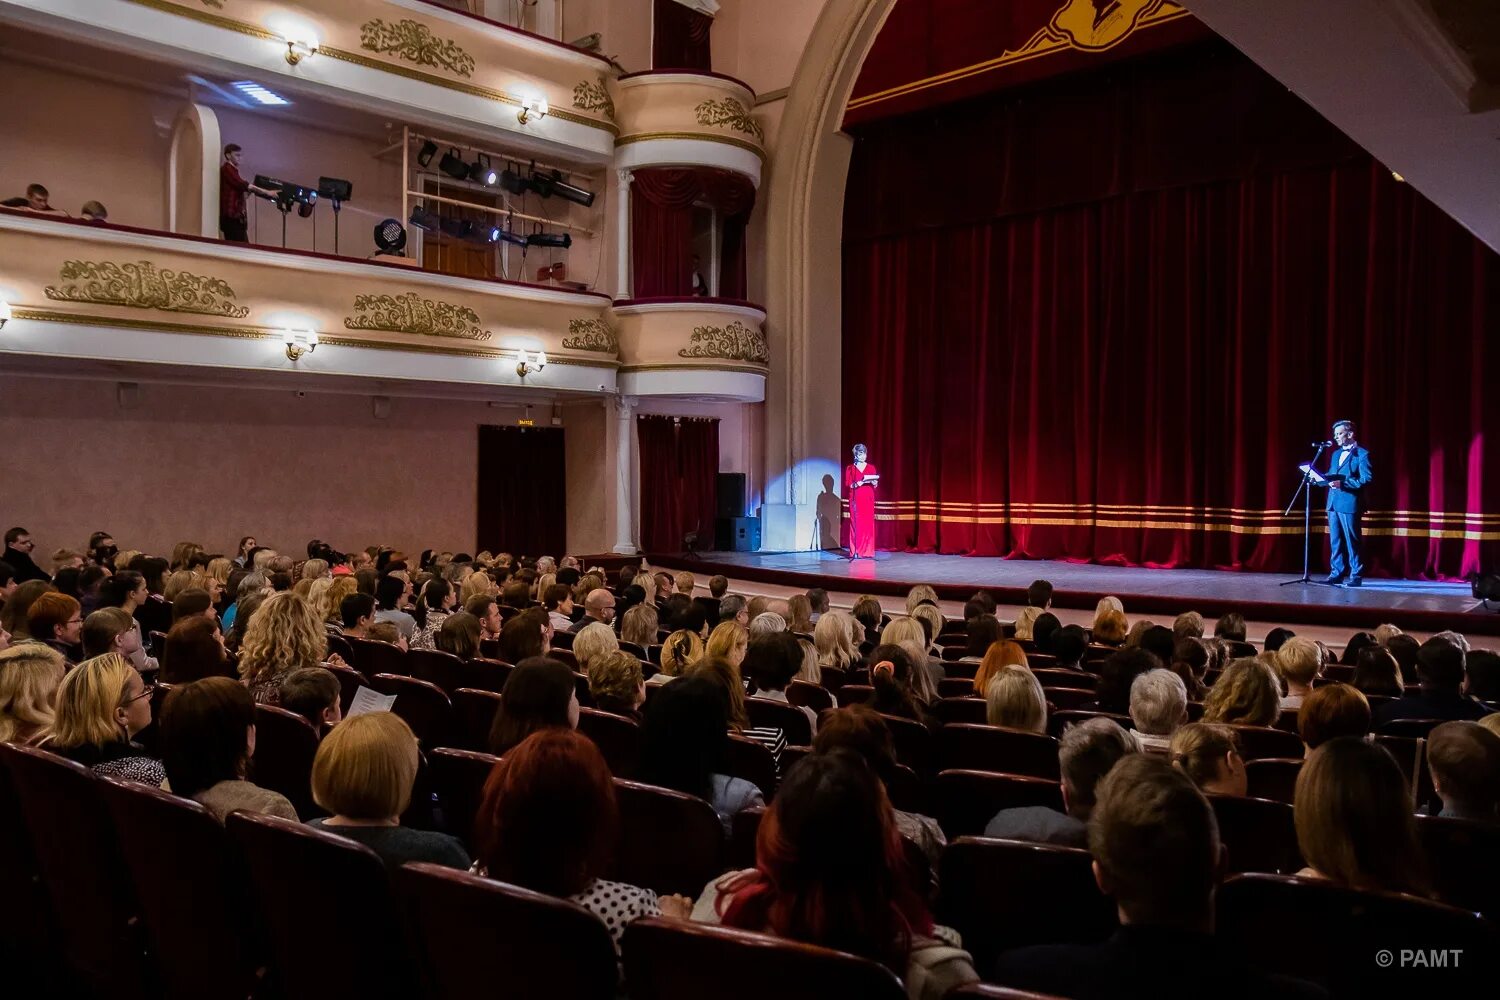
column 679, row 460
column 661, row 228
column 1117, row 353
column 523, row 497
column 679, row 37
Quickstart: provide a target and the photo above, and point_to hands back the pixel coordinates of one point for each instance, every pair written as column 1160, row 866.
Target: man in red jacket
column 233, row 215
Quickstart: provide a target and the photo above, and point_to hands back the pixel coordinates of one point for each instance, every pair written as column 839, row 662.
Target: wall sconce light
column 532, row 107
column 526, row 366
column 297, row 50
column 4, row 313
column 299, row 342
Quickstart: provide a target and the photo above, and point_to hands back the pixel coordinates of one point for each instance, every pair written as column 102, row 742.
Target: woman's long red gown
column 861, row 511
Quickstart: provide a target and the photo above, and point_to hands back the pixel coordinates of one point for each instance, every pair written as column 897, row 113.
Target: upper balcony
column 413, row 59
column 112, row 293
column 671, row 118
column 692, row 346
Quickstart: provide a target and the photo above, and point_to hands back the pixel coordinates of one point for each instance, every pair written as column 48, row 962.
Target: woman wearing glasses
column 101, row 704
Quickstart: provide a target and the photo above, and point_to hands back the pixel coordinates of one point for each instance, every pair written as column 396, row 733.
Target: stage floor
column 1411, row 604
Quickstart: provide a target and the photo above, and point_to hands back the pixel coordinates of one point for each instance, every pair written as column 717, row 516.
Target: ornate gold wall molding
column 591, row 335
column 727, row 112
column 142, row 285
column 735, row 342
column 415, row 42
column 594, row 97
column 410, row 313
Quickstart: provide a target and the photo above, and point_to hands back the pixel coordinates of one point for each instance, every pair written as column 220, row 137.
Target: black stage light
column 558, row 240
column 481, row 171
column 335, row 188
column 426, row 153
column 454, row 166
column 506, row 236
column 453, row 227
column 422, row 218
column 390, row 235
column 549, row 184
column 514, row 182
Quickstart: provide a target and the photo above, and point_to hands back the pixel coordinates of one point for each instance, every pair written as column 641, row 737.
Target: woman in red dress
column 860, row 480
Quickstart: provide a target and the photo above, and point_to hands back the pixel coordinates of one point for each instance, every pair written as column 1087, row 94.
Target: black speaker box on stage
column 737, row 534
column 731, row 494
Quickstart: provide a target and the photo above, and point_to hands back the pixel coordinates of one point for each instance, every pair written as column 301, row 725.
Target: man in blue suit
column 1348, row 474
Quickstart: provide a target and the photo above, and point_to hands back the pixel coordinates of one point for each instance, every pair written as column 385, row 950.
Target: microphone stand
column 1304, row 487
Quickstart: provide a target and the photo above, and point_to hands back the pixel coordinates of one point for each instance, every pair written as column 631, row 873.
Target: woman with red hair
column 548, row 823
column 830, row 870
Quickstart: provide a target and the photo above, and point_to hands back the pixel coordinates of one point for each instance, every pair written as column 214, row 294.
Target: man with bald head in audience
column 599, row 606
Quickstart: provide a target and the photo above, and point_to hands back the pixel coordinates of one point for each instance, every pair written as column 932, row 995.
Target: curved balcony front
column 675, row 119
column 700, row 347
column 113, row 293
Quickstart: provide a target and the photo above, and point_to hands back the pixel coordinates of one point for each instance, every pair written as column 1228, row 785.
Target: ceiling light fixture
column 260, row 94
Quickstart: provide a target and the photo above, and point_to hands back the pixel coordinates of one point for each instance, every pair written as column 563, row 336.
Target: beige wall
column 625, row 25
column 760, row 41
column 212, row 464
column 590, row 497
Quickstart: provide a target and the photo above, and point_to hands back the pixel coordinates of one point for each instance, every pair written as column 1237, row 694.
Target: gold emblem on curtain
column 143, row 285
column 1098, row 24
column 410, row 313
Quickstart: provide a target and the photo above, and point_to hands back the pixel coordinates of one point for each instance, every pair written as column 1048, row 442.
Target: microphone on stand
column 1320, row 444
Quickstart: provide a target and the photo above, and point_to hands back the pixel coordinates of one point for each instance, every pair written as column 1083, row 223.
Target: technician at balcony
column 234, row 217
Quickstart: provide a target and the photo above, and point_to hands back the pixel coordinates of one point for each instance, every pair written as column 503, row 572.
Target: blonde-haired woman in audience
column 1299, row 661
column 1014, row 700
column 1110, row 628
column 315, row 569
column 543, row 582
column 591, row 641
column 907, row 633
column 476, row 585
column 811, row 672
column 678, row 654
column 122, row 559
column 284, row 635
column 1246, row 694
column 1133, row 637
column 1000, row 655
column 834, row 636
column 101, row 704
column 646, row 582
column 1209, row 754
column 29, row 675
column 931, row 620
column 331, row 610
column 179, row 581
column 799, row 614
column 316, row 596
column 1354, row 819
column 729, row 641
column 183, row 554
column 921, row 592
column 303, row 589
column 363, row 774
column 640, row 625
column 219, row 569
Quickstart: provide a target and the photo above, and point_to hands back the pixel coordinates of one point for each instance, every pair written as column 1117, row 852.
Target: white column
column 624, row 462
column 193, row 173
column 622, row 235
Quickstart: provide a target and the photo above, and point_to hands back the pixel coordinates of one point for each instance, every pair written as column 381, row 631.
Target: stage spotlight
column 506, row 236
column 514, row 182
column 424, row 219
column 454, row 166
column 390, row 235
column 551, row 184
column 426, row 153
column 454, row 227
column 559, row 241
column 481, row 171
column 335, row 188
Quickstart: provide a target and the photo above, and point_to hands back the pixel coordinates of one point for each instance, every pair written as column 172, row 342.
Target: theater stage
column 1414, row 605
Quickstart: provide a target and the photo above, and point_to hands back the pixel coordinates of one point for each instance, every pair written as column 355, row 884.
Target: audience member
column 830, row 870
column 207, row 740
column 314, row 694
column 640, row 625
column 868, row 613
column 18, row 606
column 1110, row 628
column 1209, row 754
column 599, row 606
column 1038, row 600
column 767, row 623
column 101, row 704
column 726, row 676
column 1014, row 700
column 459, row 635
column 927, row 670
column 1156, row 849
column 1404, row 648
column 1246, row 694
column 1440, row 671
column 57, row 620
column 1158, row 705
column 1377, row 674
column 1086, row 753
column 772, row 662
column 684, row 744
column 1230, row 626
column 526, row 635
column 29, row 677
column 1116, row 674
column 111, row 630
column 1190, row 662
column 193, row 602
column 981, row 632
column 1276, row 639
column 817, row 597
column 678, row 655
column 1188, row 625
column 540, row 693
column 1482, row 675
column 548, row 822
column 436, row 603
column 1068, row 646
column 558, row 602
column 1358, row 643
column 1043, row 630
column 282, row 635
column 1354, row 819
column 363, row 775
column 729, row 641
column 1137, row 633
column 357, row 614
column 800, row 619
column 834, row 637
column 617, row 684
column 1464, row 758
column 1299, row 662
column 734, row 608
column 1331, row 711
column 393, row 594
column 36, row 201
column 890, row 674
column 859, row 728
column 194, row 650
column 593, row 640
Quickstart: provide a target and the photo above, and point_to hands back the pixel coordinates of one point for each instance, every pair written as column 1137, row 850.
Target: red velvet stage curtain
column 679, row 460
column 1116, row 342
column 522, row 497
column 661, row 228
column 679, row 37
